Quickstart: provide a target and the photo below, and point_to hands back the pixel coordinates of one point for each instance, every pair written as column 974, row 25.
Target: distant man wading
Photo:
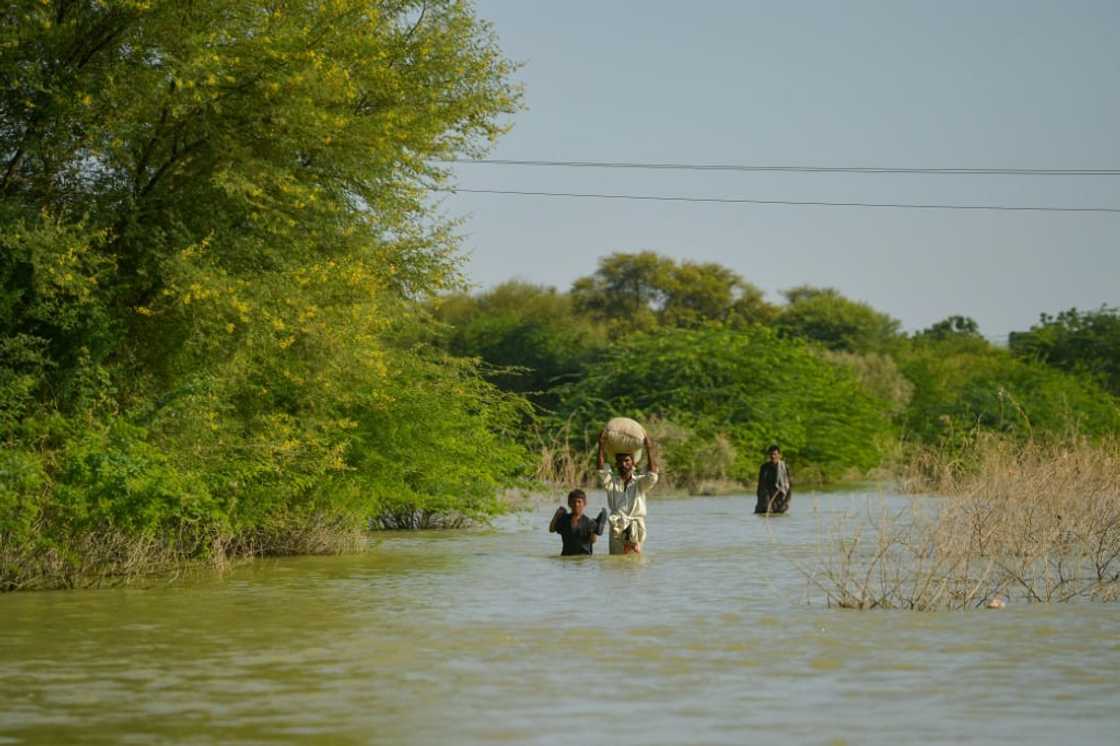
column 626, row 497
column 774, row 487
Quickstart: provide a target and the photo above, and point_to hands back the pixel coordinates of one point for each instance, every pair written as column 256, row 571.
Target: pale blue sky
column 924, row 84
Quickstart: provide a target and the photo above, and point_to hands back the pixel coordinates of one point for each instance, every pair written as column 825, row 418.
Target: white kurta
column 627, row 503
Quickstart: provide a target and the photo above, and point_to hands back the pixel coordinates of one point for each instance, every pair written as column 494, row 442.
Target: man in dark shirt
column 774, row 487
column 577, row 531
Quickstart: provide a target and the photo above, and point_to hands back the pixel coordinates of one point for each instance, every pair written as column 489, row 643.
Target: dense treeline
column 719, row 372
column 228, row 321
column 215, row 246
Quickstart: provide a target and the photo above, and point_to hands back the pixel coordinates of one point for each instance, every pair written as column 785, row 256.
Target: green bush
column 530, row 337
column 825, row 316
column 751, row 387
column 957, row 392
column 1083, row 342
column 203, row 336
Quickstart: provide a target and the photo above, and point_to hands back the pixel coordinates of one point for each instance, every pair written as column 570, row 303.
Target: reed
column 105, row 557
column 90, row 560
column 1035, row 522
column 409, row 518
column 562, row 465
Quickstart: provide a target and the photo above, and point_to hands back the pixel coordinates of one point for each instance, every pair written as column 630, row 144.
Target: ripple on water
column 477, row 637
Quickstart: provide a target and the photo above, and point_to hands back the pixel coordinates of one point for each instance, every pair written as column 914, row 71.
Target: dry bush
column 559, row 463
column 105, row 557
column 410, row 518
column 1034, row 522
column 285, row 536
column 693, row 462
column 93, row 559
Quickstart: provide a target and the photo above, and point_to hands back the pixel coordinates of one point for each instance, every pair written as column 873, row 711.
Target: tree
column 952, row 326
column 825, row 316
column 750, row 387
column 215, row 221
column 954, row 334
column 698, row 293
column 631, row 288
column 959, row 392
column 161, row 155
column 645, row 290
column 530, row 337
column 1086, row 342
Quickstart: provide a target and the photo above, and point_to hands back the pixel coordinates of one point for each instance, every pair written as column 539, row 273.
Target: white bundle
column 624, row 435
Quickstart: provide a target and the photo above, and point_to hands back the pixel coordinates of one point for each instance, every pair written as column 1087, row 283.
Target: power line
column 794, row 169
column 796, row 203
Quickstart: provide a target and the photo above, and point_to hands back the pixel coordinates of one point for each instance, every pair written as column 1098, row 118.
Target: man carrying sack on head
column 626, row 496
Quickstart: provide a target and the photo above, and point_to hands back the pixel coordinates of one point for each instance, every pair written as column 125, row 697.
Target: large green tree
column 530, row 337
column 824, row 315
column 645, row 290
column 627, row 288
column 215, row 223
column 703, row 292
column 1086, row 342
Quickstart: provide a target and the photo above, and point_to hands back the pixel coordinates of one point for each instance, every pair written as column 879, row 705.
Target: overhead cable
column 796, row 203
column 794, row 168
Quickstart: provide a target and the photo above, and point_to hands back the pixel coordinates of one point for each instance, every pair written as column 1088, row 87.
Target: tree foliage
column 529, row 336
column 953, row 335
column 825, row 316
column 749, row 386
column 1085, row 342
column 943, row 382
column 950, row 327
column 964, row 391
column 215, row 225
column 644, row 290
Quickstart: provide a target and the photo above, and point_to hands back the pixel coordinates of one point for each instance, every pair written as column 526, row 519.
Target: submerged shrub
column 1037, row 523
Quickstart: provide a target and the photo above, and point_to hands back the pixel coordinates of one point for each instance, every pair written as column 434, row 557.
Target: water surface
column 486, row 636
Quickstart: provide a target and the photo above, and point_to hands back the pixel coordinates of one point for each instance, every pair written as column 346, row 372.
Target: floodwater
column 487, row 637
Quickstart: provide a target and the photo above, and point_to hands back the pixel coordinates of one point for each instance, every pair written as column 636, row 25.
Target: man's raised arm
column 603, row 469
column 555, row 517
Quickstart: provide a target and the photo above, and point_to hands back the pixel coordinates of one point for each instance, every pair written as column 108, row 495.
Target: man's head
column 774, row 453
column 577, row 501
column 625, row 464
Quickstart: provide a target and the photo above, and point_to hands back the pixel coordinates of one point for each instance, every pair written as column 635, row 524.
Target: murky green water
column 488, row 637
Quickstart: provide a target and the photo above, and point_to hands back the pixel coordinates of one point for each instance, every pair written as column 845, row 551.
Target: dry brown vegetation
column 412, row 519
column 108, row 558
column 1035, row 522
column 558, row 463
column 87, row 561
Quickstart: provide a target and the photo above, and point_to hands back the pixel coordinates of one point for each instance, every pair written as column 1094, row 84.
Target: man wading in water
column 774, row 487
column 626, row 497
